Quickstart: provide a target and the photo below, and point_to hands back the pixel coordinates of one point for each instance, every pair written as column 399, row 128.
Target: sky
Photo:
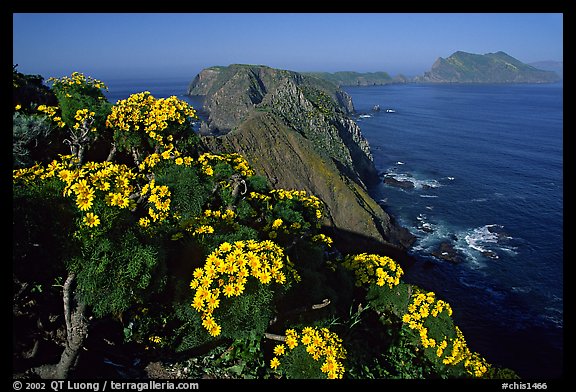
column 110, row 45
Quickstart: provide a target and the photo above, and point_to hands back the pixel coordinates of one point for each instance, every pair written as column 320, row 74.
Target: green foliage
column 248, row 315
column 405, row 360
column 245, row 359
column 189, row 192
column 189, row 334
column 113, row 273
column 390, row 300
column 258, row 184
column 322, row 101
column 299, row 365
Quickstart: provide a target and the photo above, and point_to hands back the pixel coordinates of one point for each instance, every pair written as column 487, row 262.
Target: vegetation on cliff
column 499, row 67
column 133, row 234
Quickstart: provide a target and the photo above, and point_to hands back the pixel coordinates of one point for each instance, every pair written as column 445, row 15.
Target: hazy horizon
column 109, row 46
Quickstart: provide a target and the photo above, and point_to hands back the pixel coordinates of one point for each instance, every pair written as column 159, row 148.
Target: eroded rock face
column 295, row 131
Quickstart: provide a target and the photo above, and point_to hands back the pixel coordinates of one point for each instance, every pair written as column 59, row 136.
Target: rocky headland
column 296, row 130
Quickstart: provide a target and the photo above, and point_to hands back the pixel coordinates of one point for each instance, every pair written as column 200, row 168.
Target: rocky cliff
column 295, row 130
column 462, row 67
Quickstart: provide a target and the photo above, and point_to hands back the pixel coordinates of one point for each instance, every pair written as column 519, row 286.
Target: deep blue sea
column 486, row 167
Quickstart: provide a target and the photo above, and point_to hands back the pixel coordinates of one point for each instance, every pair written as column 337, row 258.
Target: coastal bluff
column 296, row 131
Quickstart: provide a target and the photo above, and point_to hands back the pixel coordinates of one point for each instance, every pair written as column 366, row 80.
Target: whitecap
column 482, row 240
column 450, row 178
column 510, row 250
column 554, row 316
column 431, row 196
column 523, row 290
column 365, row 116
column 416, row 182
column 429, row 208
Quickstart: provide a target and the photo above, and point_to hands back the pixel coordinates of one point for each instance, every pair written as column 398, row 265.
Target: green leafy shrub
column 114, row 273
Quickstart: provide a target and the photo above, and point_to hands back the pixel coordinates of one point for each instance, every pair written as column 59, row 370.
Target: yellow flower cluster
column 203, row 224
column 51, row 112
column 169, row 152
column 78, row 78
column 226, row 273
column 371, row 268
column 425, row 305
column 308, row 201
column 261, row 197
column 84, row 119
column 155, row 339
column 158, row 201
column 323, row 238
column 237, row 161
column 142, row 112
column 114, row 182
column 320, row 344
column 312, row 203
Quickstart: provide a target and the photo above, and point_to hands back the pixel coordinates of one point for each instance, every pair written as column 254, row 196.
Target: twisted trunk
column 76, row 333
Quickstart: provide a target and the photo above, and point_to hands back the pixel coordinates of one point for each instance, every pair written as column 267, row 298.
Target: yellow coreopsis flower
column 91, row 220
column 291, row 342
column 280, row 349
column 215, row 330
column 144, row 222
column 274, row 363
column 277, row 223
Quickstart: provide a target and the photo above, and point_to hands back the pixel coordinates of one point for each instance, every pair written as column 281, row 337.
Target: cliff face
column 295, row 130
column 462, row 67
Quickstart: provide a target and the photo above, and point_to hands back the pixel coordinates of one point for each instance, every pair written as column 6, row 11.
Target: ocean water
column 158, row 87
column 485, row 169
column 483, row 165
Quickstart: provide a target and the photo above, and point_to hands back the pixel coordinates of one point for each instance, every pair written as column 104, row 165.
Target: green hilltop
column 499, row 67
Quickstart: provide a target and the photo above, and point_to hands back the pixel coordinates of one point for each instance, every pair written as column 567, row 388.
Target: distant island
column 460, row 67
column 499, row 67
column 350, row 78
column 550, row 65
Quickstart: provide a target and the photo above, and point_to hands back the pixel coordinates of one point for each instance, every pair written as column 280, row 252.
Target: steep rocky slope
column 295, row 130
